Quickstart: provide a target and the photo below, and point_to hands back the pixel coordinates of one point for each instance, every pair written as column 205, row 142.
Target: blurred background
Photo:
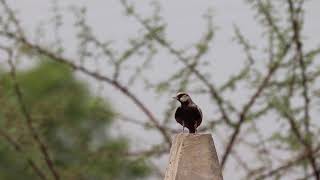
column 86, row 86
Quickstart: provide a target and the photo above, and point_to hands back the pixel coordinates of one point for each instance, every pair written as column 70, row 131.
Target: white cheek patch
column 184, row 98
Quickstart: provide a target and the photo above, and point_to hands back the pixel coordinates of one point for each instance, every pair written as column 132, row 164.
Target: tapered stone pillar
column 193, row 157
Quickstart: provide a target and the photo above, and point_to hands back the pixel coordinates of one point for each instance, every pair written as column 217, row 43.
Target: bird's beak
column 174, row 97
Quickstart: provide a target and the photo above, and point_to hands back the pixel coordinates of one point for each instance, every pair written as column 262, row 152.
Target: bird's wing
column 199, row 114
column 197, row 111
column 178, row 114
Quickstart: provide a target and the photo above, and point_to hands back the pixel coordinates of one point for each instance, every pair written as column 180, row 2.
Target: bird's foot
column 183, row 127
column 195, row 127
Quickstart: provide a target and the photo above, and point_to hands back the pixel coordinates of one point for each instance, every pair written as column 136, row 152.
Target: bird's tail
column 192, row 130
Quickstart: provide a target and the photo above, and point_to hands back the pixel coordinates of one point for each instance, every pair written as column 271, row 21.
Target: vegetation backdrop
column 78, row 102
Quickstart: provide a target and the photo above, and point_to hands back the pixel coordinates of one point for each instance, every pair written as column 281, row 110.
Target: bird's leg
column 195, row 127
column 182, row 126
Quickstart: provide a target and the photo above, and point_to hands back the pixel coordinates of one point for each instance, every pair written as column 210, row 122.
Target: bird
column 189, row 115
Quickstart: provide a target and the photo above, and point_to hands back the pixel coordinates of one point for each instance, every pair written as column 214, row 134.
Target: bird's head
column 183, row 98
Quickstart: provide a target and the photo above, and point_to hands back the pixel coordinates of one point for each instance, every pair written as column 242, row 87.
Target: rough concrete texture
column 193, row 157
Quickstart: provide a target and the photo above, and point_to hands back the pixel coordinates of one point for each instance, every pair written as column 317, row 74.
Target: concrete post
column 193, row 157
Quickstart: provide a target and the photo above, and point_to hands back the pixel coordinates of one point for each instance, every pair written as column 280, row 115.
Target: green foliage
column 71, row 122
column 286, row 140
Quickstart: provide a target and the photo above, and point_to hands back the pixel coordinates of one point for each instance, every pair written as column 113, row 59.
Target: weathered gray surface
column 193, row 157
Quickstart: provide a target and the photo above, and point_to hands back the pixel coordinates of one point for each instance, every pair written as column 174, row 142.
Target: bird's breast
column 190, row 114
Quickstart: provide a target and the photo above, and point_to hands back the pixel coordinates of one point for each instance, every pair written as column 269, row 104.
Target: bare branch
column 214, row 93
column 12, row 17
column 19, row 149
column 296, row 27
column 42, row 147
column 294, row 17
column 97, row 76
column 291, row 162
column 254, row 97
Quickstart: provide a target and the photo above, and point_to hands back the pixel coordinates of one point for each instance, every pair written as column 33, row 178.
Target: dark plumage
column 188, row 114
